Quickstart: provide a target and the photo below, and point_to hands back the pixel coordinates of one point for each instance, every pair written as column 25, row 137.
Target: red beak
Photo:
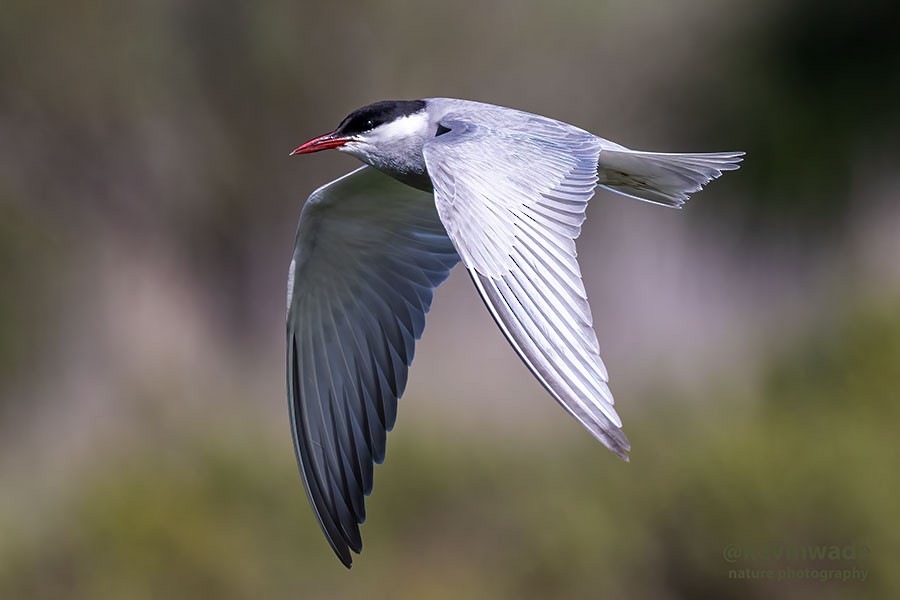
column 323, row 142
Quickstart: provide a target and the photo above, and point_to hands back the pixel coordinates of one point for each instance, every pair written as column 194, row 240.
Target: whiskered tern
column 503, row 191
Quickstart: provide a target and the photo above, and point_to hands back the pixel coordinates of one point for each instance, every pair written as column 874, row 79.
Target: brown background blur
column 147, row 216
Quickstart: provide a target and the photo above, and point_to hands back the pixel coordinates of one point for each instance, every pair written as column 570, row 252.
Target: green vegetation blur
column 147, row 213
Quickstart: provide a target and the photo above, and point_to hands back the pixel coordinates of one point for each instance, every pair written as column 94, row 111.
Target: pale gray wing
column 513, row 203
column 370, row 252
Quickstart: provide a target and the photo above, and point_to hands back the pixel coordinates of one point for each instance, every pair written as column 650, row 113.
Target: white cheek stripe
column 403, row 127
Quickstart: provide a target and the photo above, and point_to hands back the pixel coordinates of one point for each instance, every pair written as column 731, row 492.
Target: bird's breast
column 419, row 180
column 406, row 168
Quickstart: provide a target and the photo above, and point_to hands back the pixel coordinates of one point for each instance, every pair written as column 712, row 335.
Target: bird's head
column 374, row 129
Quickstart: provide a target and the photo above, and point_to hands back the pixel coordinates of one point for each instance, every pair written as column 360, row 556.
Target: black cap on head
column 371, row 116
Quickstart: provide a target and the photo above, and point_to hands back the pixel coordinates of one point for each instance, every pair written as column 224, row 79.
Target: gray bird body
column 501, row 190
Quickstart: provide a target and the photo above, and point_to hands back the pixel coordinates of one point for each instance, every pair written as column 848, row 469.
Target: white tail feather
column 662, row 178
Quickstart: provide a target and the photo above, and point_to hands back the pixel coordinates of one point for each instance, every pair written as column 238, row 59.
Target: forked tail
column 662, row 178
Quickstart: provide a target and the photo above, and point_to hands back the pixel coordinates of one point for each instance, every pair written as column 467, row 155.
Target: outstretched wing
column 370, row 252
column 513, row 201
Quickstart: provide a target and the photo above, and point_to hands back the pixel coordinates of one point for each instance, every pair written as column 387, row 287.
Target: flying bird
column 446, row 180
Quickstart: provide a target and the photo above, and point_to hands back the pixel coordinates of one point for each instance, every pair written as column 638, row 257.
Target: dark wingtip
column 342, row 550
column 343, row 554
column 618, row 443
column 621, row 452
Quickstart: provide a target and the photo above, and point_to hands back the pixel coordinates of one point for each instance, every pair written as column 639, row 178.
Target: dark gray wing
column 370, row 252
column 513, row 200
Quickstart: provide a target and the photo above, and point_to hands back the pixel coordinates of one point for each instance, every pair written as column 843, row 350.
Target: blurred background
column 147, row 217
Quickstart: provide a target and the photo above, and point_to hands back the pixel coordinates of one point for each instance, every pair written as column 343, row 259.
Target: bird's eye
column 370, row 124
